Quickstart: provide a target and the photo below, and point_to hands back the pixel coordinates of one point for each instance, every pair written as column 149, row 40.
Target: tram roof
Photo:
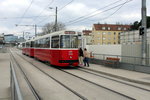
column 53, row 34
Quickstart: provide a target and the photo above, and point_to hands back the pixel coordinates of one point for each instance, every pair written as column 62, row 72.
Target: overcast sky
column 76, row 14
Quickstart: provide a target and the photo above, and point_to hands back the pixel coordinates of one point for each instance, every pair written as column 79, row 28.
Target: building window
column 104, row 38
column 114, row 33
column 103, row 28
column 104, row 33
column 109, row 38
column 125, row 28
column 109, row 33
column 119, row 28
column 108, row 28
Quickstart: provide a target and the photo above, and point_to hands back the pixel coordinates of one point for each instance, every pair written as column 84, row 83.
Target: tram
column 28, row 48
column 58, row 48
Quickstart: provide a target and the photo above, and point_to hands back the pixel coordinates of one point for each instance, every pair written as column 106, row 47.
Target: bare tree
column 50, row 27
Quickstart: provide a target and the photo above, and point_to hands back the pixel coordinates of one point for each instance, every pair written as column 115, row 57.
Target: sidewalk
column 132, row 76
column 4, row 76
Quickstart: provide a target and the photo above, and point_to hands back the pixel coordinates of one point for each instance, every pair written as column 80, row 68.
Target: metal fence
column 124, row 59
column 15, row 90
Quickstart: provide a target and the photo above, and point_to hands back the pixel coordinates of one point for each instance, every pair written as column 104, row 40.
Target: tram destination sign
column 70, row 32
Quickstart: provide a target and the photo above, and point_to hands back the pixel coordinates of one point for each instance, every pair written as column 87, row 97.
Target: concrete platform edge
column 121, row 77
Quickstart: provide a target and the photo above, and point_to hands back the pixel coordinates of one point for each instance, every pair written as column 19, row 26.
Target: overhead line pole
column 56, row 19
column 144, row 36
column 35, row 30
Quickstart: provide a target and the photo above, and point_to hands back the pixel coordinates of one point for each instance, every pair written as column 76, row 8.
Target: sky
column 75, row 14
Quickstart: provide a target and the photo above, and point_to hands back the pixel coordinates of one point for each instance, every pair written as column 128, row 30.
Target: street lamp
column 55, row 26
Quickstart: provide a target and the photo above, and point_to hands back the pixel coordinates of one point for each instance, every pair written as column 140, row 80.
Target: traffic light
column 141, row 30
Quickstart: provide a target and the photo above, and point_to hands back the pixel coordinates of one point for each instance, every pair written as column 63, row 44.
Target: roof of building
column 111, row 27
column 86, row 32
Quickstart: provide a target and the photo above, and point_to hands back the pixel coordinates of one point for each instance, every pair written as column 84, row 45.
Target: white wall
column 105, row 49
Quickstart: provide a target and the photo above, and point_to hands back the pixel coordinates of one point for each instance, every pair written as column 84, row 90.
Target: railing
column 124, row 59
column 15, row 90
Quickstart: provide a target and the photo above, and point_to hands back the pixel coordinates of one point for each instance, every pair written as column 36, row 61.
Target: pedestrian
column 80, row 56
column 86, row 57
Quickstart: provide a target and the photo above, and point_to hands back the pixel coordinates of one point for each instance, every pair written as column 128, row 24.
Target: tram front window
column 68, row 41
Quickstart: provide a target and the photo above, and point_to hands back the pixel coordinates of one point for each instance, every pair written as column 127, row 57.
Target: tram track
column 36, row 95
column 79, row 78
column 74, row 92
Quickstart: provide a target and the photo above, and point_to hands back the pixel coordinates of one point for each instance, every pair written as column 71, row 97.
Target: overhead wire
column 65, row 5
column 95, row 11
column 72, row 22
column 58, row 10
column 43, row 10
column 113, row 12
column 6, row 18
column 26, row 10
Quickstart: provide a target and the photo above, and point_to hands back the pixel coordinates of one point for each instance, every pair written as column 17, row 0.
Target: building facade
column 107, row 33
column 87, row 34
column 10, row 38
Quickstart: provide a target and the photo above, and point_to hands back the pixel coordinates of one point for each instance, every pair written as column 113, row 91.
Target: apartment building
column 107, row 33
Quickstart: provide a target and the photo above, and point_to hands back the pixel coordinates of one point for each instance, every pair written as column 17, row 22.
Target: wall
column 133, row 50
column 105, row 49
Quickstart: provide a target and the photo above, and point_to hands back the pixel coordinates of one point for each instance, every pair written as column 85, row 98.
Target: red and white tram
column 58, row 48
column 28, row 48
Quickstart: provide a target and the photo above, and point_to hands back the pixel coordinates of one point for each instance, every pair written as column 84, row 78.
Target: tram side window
column 65, row 41
column 42, row 43
column 27, row 44
column 47, row 42
column 55, row 42
column 23, row 45
column 35, row 43
column 32, row 44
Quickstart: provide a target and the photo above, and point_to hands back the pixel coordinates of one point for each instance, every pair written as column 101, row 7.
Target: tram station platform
column 4, row 76
column 132, row 76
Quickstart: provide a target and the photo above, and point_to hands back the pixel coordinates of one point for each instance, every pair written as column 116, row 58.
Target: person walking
column 80, row 56
column 86, row 57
